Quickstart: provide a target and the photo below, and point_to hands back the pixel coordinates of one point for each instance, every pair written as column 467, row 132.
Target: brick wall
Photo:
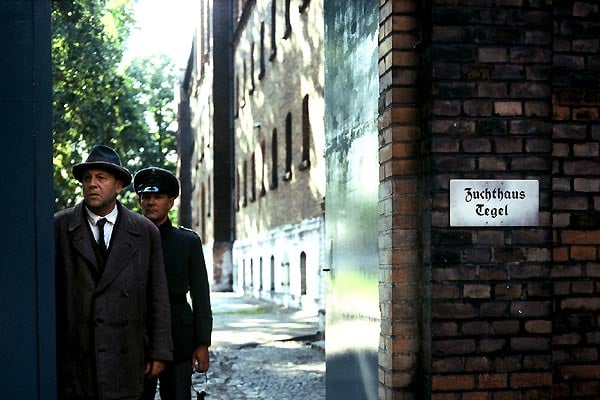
column 490, row 109
column 576, row 200
column 493, row 89
column 292, row 71
column 400, row 252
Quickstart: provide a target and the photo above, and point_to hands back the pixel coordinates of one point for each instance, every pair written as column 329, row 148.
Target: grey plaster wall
column 351, row 222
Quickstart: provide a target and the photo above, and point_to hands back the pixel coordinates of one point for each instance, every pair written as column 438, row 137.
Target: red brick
column 523, row 380
column 580, row 371
column 580, row 237
column 492, row 164
column 538, row 327
column 493, row 55
column 508, row 291
column 452, row 382
column 508, row 108
column 582, row 253
column 492, row 381
column 560, row 254
column 477, row 396
column 583, row 303
column 505, row 327
column 586, row 185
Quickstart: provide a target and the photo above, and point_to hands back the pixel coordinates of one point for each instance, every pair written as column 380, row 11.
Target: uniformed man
column 185, row 268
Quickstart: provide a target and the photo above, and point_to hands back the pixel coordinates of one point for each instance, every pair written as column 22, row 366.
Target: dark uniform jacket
column 186, row 271
column 109, row 323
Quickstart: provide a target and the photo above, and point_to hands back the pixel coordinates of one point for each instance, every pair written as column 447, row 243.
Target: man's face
column 100, row 190
column 156, row 206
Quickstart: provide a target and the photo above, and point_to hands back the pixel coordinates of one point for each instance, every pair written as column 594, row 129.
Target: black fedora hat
column 104, row 158
column 156, row 180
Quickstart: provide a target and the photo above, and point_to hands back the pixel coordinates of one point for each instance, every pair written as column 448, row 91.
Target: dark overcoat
column 109, row 323
column 186, row 271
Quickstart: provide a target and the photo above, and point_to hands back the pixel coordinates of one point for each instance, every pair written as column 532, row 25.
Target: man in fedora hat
column 157, row 189
column 113, row 319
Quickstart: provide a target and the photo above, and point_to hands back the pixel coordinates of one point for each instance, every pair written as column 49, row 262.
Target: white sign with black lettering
column 494, row 202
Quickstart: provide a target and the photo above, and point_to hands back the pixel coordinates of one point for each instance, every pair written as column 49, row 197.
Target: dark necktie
column 103, row 250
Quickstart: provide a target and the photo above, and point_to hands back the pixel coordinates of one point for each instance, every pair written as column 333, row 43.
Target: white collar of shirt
column 111, row 219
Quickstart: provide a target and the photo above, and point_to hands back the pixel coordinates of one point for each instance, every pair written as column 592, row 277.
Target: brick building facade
column 205, row 140
column 425, row 92
column 278, row 145
column 489, row 89
column 270, row 140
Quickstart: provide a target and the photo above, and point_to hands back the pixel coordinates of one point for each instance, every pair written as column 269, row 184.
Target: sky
column 163, row 26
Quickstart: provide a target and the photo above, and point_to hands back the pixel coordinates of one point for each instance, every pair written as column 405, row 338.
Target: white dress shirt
column 111, row 220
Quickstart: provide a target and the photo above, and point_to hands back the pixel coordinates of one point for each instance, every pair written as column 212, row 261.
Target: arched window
column 273, row 29
column 305, row 136
column 261, row 71
column 260, row 274
column 263, row 189
column 274, row 177
column 203, row 213
column 288, row 147
column 245, row 183
column 303, row 273
column 243, row 273
column 252, row 83
column 244, row 85
column 208, row 197
column 236, row 96
column 237, row 189
column 288, row 23
column 272, row 273
column 253, row 177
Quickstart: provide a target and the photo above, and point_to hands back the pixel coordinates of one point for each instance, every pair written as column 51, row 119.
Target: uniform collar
column 165, row 226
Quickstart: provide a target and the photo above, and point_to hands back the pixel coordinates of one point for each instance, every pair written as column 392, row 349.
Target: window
column 274, row 177
column 273, row 30
column 243, row 273
column 253, row 177
column 203, row 213
column 245, row 183
column 288, row 24
column 261, row 71
column 244, row 84
column 252, row 83
column 288, row 147
column 237, row 189
column 208, row 197
column 305, row 164
column 303, row 273
column 260, row 274
column 263, row 189
column 236, row 96
column 272, row 273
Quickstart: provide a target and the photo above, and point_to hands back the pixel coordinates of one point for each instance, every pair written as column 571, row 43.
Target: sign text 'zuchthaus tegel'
column 494, row 202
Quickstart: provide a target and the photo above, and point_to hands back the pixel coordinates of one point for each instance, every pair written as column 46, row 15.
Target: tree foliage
column 96, row 101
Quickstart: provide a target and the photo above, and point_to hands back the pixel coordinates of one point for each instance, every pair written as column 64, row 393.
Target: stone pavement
column 262, row 351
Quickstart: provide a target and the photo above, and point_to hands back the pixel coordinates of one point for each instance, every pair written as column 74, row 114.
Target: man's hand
column 200, row 360
column 153, row 368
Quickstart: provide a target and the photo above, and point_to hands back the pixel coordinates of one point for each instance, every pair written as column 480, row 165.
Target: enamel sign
column 494, row 202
